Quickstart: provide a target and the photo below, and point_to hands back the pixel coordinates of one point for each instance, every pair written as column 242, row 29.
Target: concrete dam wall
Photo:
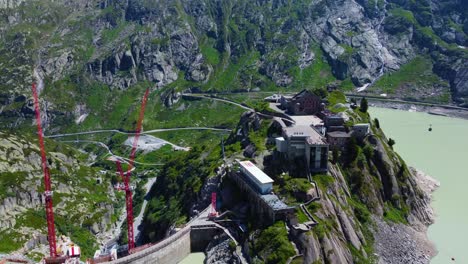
column 174, row 248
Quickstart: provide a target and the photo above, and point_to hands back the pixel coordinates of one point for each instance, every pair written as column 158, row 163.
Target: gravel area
column 398, row 243
column 401, row 244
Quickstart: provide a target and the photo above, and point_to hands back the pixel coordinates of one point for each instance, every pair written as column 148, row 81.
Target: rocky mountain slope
column 92, row 49
column 83, row 197
column 370, row 200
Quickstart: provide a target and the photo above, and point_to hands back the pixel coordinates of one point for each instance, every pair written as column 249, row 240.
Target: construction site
column 293, row 140
column 193, row 237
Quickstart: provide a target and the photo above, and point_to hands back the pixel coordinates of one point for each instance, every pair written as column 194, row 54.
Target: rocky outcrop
column 456, row 71
column 22, row 200
column 397, row 243
column 250, row 121
column 171, row 97
column 312, row 248
column 123, row 44
column 10, row 3
column 219, row 251
column 210, row 186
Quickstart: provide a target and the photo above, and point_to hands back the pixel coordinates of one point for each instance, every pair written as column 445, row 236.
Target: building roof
column 307, row 132
column 274, row 202
column 307, row 120
column 299, row 131
column 303, row 93
column 362, row 125
column 339, row 134
column 256, row 172
column 335, row 117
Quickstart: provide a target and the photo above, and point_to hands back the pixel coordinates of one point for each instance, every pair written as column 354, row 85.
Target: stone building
column 361, row 130
column 303, row 103
column 304, row 141
column 338, row 139
column 257, row 188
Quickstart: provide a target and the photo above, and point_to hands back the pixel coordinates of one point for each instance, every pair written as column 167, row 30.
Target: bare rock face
column 333, row 251
column 249, row 121
column 312, row 248
column 21, row 178
column 10, row 3
column 456, row 71
column 170, row 98
column 348, row 229
column 218, row 251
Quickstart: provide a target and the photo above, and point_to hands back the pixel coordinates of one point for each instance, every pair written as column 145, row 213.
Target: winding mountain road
column 139, row 218
column 218, row 99
column 110, row 152
column 143, row 132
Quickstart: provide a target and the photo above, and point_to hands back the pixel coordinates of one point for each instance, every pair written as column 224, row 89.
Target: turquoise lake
column 194, row 258
column 442, row 154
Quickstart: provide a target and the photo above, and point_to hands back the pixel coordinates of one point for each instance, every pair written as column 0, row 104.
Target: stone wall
column 169, row 251
column 175, row 248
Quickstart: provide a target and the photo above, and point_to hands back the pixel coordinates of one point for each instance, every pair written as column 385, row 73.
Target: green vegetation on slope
column 79, row 202
column 418, row 72
column 177, row 188
column 273, row 245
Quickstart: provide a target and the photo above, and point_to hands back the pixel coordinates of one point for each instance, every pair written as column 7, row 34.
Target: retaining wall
column 171, row 251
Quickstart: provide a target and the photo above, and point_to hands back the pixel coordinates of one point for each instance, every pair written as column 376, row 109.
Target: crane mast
column 47, row 181
column 126, row 176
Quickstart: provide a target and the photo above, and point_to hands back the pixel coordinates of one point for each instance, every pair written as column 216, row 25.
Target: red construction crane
column 126, row 176
column 213, row 213
column 47, row 183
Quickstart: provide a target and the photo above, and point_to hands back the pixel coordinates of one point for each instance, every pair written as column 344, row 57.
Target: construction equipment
column 73, row 252
column 47, row 182
column 213, row 213
column 126, row 176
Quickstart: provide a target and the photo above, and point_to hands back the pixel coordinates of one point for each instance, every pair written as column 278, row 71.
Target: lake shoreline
column 442, row 155
column 433, row 110
column 401, row 243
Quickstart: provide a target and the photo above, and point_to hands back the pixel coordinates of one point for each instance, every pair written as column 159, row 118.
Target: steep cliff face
column 82, row 208
column 369, row 200
column 89, row 46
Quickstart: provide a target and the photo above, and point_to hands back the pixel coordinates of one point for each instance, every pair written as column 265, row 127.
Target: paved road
column 236, row 104
column 400, row 101
column 139, row 218
column 110, row 152
column 143, row 132
column 218, row 99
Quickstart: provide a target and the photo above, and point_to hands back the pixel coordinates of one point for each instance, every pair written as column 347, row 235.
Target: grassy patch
column 347, row 85
column 258, row 137
column 8, row 181
column 394, row 215
column 32, row 218
column 317, row 75
column 336, row 97
column 323, row 227
column 229, row 77
column 273, row 244
column 211, row 54
column 418, row 71
column 11, row 240
column 323, row 180
column 301, row 217
column 197, row 112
